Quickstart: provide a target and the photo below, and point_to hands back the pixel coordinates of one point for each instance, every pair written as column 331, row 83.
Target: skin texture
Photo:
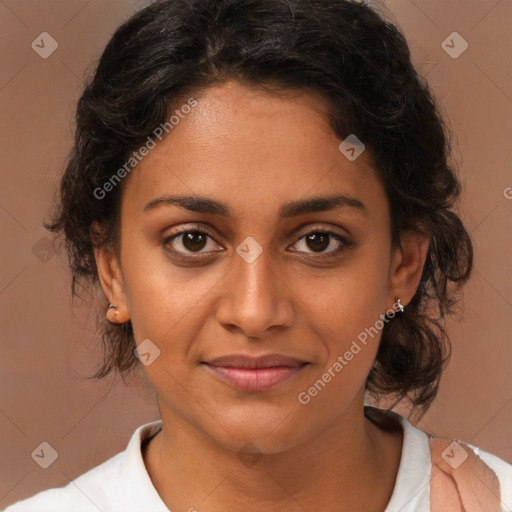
column 254, row 152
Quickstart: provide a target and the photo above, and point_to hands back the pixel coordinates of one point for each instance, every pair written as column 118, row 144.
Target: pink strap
column 460, row 480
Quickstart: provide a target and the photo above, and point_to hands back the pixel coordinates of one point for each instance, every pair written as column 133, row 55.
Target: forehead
column 254, row 151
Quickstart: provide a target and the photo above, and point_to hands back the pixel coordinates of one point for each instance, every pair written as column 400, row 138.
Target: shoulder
column 465, row 477
column 80, row 494
column 438, row 474
column 119, row 483
column 464, row 473
column 501, row 467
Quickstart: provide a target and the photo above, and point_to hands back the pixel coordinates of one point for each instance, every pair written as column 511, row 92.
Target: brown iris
column 319, row 240
column 194, row 241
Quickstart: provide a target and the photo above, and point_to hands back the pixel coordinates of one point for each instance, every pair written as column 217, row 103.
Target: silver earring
column 399, row 305
column 112, row 306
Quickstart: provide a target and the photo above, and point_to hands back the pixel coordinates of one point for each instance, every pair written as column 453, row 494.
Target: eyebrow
column 200, row 204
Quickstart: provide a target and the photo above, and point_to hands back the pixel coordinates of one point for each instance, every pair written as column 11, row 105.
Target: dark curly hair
column 344, row 50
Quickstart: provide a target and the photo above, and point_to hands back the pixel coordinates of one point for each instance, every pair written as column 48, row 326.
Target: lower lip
column 257, row 379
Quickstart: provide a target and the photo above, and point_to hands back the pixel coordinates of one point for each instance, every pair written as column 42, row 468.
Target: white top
column 122, row 483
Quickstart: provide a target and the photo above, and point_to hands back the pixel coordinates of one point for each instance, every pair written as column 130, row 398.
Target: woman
column 261, row 189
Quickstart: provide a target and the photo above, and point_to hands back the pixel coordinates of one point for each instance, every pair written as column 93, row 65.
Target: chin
column 258, row 430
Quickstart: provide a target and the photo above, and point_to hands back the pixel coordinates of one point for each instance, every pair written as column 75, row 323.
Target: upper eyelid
column 302, row 229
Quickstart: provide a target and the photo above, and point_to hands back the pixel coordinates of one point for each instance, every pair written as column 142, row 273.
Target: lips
column 255, row 373
column 267, row 361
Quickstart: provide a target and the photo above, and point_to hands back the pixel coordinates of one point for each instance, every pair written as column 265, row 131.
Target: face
column 256, row 274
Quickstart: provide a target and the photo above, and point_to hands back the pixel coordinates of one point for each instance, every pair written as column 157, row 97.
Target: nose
column 255, row 298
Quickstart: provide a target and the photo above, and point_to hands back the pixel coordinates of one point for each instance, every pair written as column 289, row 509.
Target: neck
column 352, row 466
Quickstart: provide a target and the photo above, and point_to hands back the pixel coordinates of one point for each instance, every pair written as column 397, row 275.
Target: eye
column 192, row 240
column 189, row 241
column 320, row 240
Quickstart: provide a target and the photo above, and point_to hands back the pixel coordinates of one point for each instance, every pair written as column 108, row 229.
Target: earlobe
column 111, row 282
column 408, row 265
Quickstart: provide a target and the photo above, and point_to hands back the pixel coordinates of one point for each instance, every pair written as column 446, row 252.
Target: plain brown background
column 48, row 347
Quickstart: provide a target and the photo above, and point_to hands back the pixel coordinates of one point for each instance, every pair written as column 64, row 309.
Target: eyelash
column 345, row 243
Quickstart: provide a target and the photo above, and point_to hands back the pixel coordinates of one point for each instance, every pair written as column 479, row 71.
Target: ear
column 407, row 264
column 109, row 272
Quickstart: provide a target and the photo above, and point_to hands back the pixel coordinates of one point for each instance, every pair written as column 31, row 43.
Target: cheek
column 348, row 307
column 350, row 334
column 351, row 298
column 164, row 300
